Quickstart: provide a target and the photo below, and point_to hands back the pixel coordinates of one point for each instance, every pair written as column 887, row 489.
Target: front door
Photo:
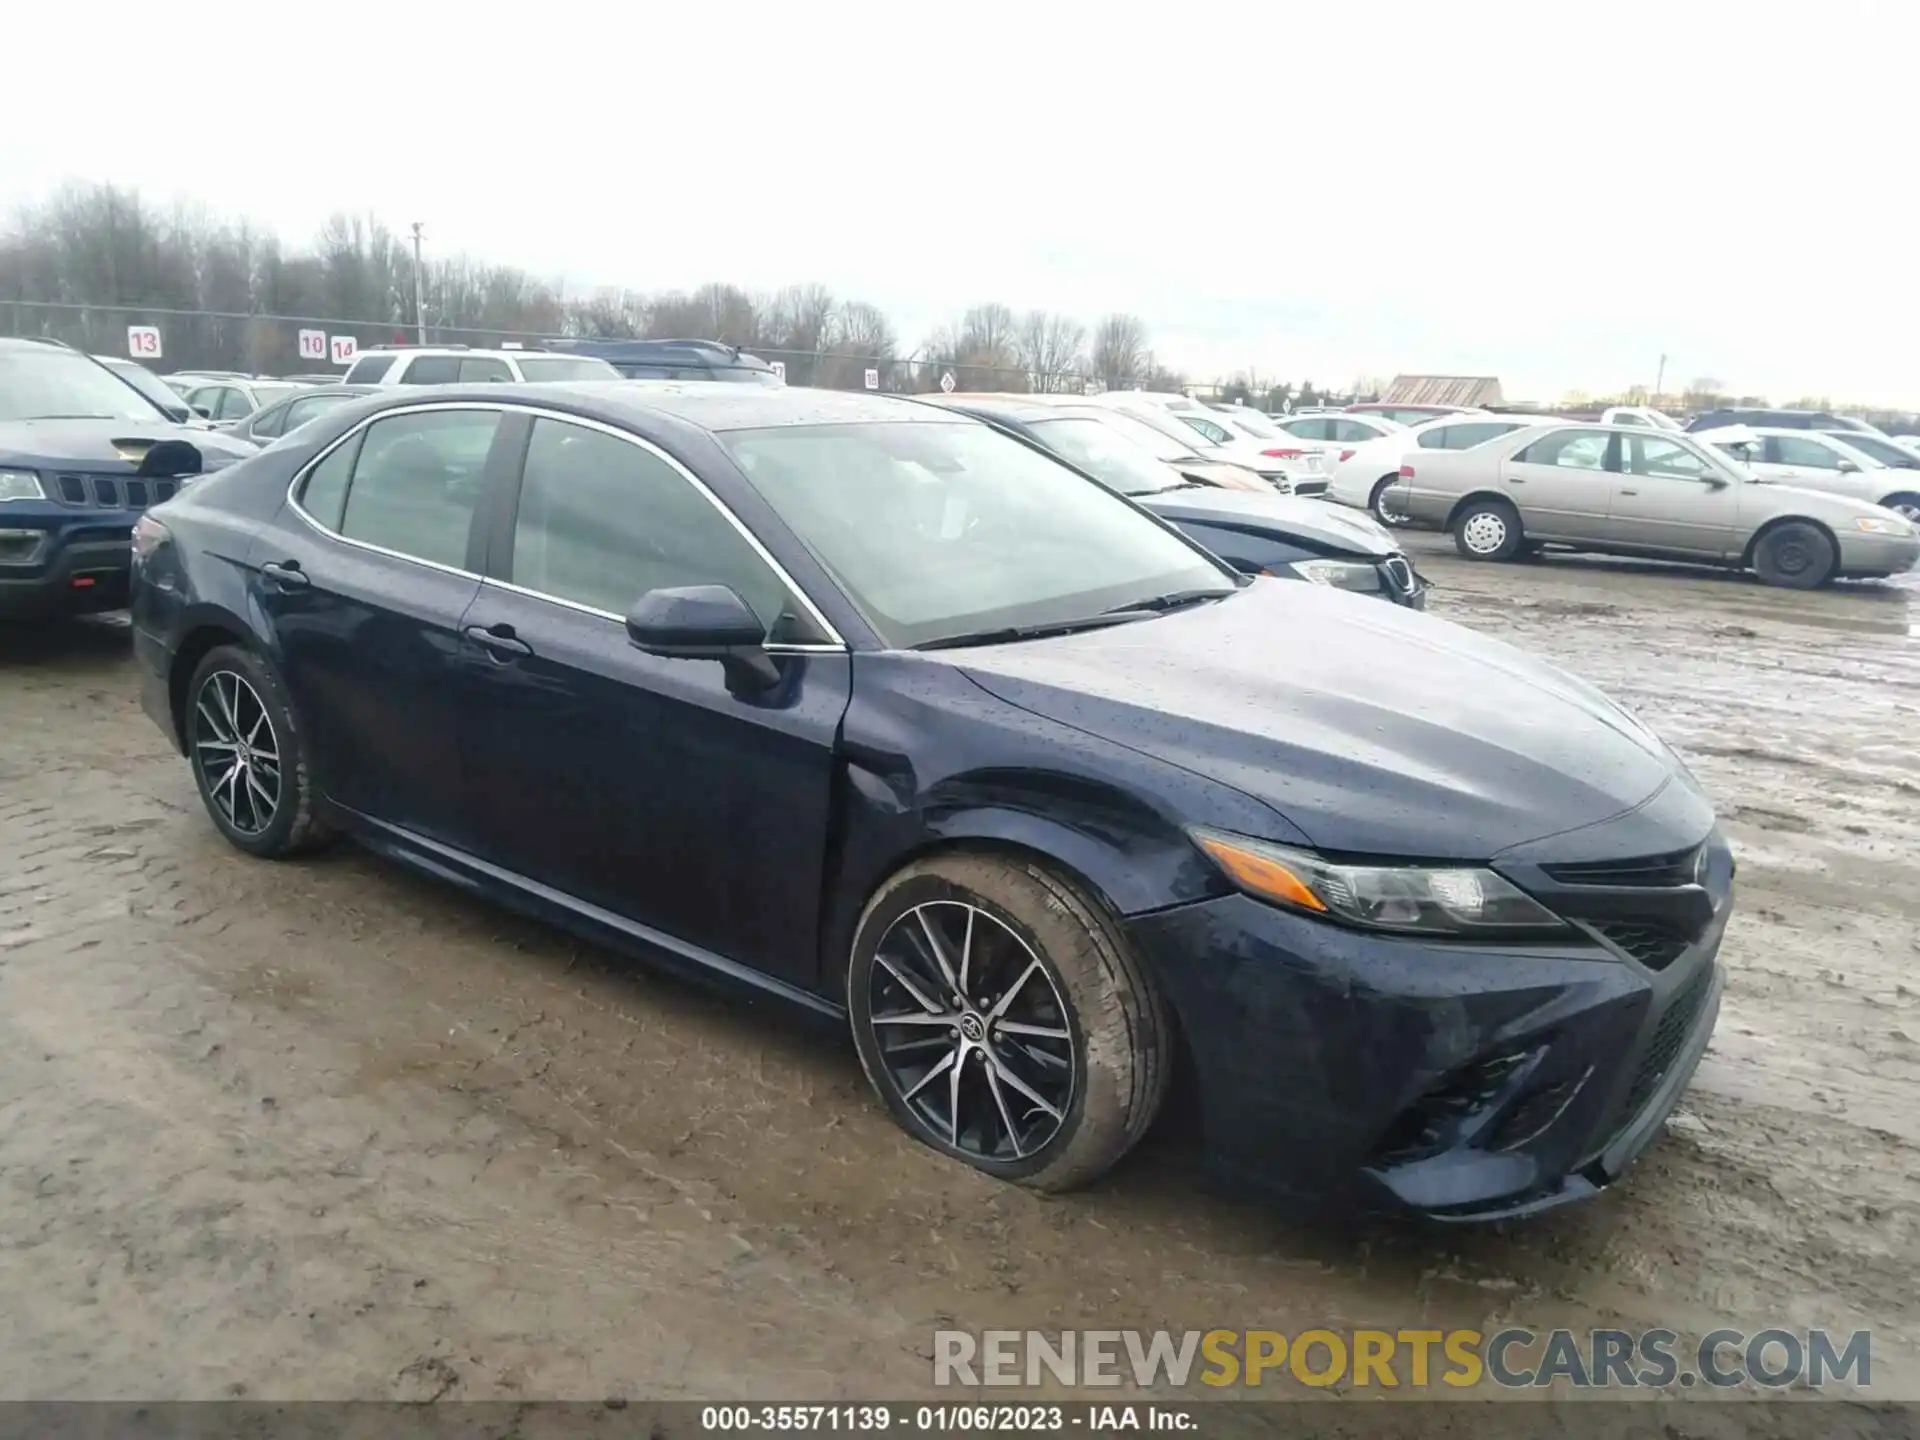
column 1562, row 485
column 1668, row 497
column 363, row 580
column 642, row 785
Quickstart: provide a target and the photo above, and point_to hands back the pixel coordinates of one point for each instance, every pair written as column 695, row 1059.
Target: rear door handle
column 1629, row 492
column 499, row 641
column 284, row 575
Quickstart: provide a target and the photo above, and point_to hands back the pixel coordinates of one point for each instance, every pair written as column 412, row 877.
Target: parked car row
column 937, row 720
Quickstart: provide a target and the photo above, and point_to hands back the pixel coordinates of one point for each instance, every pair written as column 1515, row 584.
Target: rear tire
column 249, row 755
column 1906, row 504
column 1797, row 555
column 1050, row 1103
column 1488, row 529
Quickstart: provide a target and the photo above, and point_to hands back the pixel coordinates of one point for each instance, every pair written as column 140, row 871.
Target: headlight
column 20, row 485
column 1405, row 899
column 1341, row 574
column 1872, row 524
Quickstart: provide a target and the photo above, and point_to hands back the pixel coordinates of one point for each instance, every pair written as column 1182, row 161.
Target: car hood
column 107, row 446
column 1777, row 497
column 1318, row 524
column 1227, row 474
column 1369, row 728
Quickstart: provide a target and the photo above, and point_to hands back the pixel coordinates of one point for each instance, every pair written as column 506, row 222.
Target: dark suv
column 82, row 453
column 676, row 360
column 1785, row 419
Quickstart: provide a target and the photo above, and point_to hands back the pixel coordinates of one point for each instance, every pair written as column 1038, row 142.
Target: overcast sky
column 1552, row 193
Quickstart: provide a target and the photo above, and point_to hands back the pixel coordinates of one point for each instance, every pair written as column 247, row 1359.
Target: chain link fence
column 167, row 340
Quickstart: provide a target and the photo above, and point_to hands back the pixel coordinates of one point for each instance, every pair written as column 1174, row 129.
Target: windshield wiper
column 1161, row 604
column 1008, row 633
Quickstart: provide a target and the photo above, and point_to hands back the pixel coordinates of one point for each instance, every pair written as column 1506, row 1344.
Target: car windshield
column 1107, row 455
column 1156, row 443
column 566, row 367
column 1251, row 424
column 1190, row 440
column 39, row 383
column 937, row 531
column 149, row 385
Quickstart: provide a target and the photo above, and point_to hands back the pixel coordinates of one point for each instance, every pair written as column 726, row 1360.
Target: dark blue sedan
column 869, row 708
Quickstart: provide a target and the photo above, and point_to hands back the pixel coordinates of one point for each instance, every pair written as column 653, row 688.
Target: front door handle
column 1516, row 479
column 1629, row 492
column 499, row 641
column 285, row 575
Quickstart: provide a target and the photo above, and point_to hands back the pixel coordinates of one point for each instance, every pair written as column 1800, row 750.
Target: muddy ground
column 325, row 1129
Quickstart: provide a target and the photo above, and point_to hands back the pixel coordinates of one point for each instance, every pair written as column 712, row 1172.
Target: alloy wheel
column 237, row 752
column 1485, row 532
column 972, row 1032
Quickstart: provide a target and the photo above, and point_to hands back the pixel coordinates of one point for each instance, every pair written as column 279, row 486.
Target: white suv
column 457, row 365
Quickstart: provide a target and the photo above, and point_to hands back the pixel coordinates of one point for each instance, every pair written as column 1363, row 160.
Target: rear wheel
column 249, row 755
column 1381, row 506
column 1905, row 503
column 1488, row 530
column 1003, row 1020
column 1798, row 555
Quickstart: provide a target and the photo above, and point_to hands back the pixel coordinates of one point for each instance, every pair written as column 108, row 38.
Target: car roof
column 712, row 405
column 1010, row 406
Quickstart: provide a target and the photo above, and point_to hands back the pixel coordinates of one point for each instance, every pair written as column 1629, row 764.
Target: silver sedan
column 1624, row 491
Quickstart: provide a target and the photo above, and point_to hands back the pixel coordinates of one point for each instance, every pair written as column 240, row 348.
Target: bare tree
column 1049, row 348
column 1119, row 357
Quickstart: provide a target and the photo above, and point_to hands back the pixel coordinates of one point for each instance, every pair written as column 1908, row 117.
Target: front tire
column 249, row 755
column 1003, row 1019
column 1488, row 530
column 1381, row 507
column 1797, row 555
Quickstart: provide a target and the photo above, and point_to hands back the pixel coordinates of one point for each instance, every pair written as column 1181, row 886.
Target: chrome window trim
column 837, row 642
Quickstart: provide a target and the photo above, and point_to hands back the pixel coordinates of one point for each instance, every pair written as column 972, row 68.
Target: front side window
column 565, row 367
column 1650, row 455
column 417, row 481
column 431, row 370
column 1568, row 450
column 1632, row 420
column 937, row 530
column 235, row 404
column 483, row 368
column 602, row 521
column 1884, row 451
column 1107, row 455
column 1803, row 451
column 1352, row 431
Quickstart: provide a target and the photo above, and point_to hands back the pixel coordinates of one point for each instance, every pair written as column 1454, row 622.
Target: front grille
column 1654, row 945
column 1668, row 1036
column 112, row 492
column 1646, row 872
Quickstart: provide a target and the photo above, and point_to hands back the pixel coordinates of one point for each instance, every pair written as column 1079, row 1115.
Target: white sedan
column 1364, row 478
column 1839, row 461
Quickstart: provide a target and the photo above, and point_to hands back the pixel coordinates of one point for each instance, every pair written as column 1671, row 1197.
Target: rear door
column 363, row 581
column 642, row 785
column 1562, row 484
column 1669, row 498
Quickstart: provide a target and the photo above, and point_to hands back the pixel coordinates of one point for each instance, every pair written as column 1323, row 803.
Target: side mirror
column 1847, row 467
column 705, row 622
column 203, row 412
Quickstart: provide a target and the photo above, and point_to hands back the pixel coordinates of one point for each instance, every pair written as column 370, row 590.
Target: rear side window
column 1307, row 429
column 301, row 411
column 417, row 481
column 1569, row 449
column 324, row 493
column 369, row 368
column 270, row 423
column 431, row 370
column 1351, row 430
column 602, row 521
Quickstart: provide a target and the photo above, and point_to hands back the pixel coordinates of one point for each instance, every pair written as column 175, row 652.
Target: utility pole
column 1659, row 378
column 419, row 310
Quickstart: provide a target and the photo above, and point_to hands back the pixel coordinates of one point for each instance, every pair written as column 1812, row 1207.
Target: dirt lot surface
column 325, row 1129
